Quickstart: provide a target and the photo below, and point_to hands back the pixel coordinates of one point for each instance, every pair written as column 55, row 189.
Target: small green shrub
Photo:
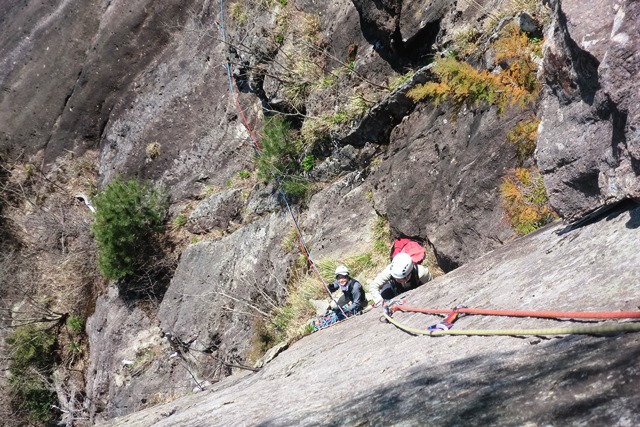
column 381, row 236
column 244, row 174
column 280, row 158
column 308, row 162
column 128, row 214
column 525, row 201
column 328, row 81
column 295, row 187
column 32, row 360
column 75, row 324
column 180, row 221
column 282, row 318
column 339, row 117
column 280, row 150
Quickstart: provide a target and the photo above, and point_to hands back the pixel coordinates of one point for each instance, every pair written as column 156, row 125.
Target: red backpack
column 414, row 249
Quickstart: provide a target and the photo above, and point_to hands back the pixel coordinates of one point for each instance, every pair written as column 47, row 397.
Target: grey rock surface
column 130, row 364
column 439, row 179
column 340, row 220
column 216, row 211
column 394, row 378
column 216, row 293
column 63, row 67
column 588, row 142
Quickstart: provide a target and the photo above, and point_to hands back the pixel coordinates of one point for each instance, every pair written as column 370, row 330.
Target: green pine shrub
column 282, row 158
column 128, row 214
column 75, row 324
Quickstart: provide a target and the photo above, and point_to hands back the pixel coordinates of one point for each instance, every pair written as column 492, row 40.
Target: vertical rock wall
column 588, row 142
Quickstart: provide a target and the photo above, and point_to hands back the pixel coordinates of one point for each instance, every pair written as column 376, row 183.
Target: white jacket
column 424, row 275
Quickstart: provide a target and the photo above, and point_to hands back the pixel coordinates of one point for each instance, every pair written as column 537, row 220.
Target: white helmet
column 342, row 270
column 401, row 266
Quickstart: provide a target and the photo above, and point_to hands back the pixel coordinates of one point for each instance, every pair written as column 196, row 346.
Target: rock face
column 130, row 362
column 148, row 84
column 340, row 219
column 351, row 374
column 588, row 141
column 217, row 293
column 442, row 170
column 67, row 63
column 217, row 211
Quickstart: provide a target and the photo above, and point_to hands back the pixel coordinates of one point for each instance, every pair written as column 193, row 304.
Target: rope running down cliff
column 256, row 146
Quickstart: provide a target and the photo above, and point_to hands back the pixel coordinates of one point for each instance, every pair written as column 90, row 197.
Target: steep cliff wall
column 591, row 64
column 169, row 92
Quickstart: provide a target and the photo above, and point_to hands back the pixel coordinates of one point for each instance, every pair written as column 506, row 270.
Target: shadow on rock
column 561, row 383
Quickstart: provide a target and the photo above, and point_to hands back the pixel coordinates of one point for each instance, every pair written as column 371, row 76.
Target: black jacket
column 354, row 294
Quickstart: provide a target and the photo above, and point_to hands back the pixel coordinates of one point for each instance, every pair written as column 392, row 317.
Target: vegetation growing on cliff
column 524, row 136
column 525, row 200
column 31, row 368
column 128, row 214
column 282, row 158
column 514, row 84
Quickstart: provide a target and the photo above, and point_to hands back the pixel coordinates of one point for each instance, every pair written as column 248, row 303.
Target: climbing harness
column 443, row 328
column 332, row 318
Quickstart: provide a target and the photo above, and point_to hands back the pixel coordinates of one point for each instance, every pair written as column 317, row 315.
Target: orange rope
column 523, row 313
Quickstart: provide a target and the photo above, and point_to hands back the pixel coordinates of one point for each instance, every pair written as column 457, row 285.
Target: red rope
column 304, row 248
column 524, row 313
column 246, row 122
column 314, row 268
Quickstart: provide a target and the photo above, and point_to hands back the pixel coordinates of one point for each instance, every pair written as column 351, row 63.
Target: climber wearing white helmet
column 353, row 299
column 400, row 276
